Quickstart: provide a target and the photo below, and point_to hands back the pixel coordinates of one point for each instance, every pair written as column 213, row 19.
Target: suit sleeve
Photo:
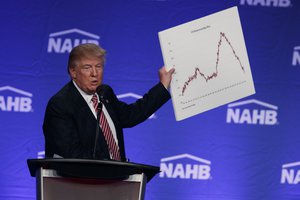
column 132, row 114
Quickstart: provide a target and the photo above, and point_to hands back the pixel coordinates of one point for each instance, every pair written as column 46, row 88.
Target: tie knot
column 95, row 101
column 94, row 98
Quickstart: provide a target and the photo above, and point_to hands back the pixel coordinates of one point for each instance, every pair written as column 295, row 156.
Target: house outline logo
column 75, row 30
column 171, row 169
column 58, row 42
column 136, row 96
column 9, row 88
column 241, row 103
column 186, row 155
column 15, row 103
column 267, row 116
column 289, row 165
column 289, row 175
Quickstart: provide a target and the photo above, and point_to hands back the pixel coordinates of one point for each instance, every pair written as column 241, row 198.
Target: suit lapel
column 80, row 104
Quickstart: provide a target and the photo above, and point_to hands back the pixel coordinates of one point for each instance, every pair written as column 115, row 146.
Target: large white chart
column 210, row 60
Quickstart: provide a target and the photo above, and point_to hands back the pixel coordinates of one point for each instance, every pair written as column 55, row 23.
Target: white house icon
column 253, row 101
column 189, row 156
column 288, row 165
column 75, row 30
column 9, row 88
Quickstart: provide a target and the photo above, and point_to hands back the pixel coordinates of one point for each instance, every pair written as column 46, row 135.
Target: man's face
column 88, row 74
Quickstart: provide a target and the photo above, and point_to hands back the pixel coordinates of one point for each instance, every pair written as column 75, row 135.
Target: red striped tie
column 112, row 145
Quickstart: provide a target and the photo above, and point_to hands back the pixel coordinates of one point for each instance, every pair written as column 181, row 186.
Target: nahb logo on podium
column 65, row 41
column 127, row 96
column 185, row 166
column 252, row 112
column 267, row 3
column 15, row 100
column 296, row 56
column 290, row 173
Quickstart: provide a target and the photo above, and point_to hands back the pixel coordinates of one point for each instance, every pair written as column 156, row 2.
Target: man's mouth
column 94, row 82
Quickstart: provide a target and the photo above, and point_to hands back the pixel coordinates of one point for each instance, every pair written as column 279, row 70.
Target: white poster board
column 210, row 60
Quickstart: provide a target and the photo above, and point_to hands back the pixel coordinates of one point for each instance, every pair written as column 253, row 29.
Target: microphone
column 100, row 92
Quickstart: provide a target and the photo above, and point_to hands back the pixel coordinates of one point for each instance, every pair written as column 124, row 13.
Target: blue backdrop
column 246, row 150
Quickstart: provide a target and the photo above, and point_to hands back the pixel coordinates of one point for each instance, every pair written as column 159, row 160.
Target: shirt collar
column 87, row 97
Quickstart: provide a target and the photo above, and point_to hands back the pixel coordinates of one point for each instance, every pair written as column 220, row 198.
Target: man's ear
column 72, row 72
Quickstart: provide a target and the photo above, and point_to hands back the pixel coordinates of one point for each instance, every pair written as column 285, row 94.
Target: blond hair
column 86, row 50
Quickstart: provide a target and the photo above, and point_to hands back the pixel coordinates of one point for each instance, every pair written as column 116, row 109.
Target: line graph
column 210, row 60
column 215, row 73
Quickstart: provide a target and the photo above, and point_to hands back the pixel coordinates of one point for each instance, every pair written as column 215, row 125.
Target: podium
column 82, row 179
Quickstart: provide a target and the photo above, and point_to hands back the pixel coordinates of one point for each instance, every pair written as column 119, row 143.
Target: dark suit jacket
column 70, row 126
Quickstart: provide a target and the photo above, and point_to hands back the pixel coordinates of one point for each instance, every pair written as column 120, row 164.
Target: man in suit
column 70, row 122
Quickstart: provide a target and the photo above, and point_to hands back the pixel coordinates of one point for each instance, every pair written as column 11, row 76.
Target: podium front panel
column 53, row 186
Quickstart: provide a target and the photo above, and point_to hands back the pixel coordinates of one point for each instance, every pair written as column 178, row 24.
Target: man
column 85, row 105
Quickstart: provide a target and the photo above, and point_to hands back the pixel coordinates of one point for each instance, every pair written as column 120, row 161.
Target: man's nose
column 93, row 71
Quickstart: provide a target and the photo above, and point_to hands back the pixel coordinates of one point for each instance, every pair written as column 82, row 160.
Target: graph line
column 215, row 73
